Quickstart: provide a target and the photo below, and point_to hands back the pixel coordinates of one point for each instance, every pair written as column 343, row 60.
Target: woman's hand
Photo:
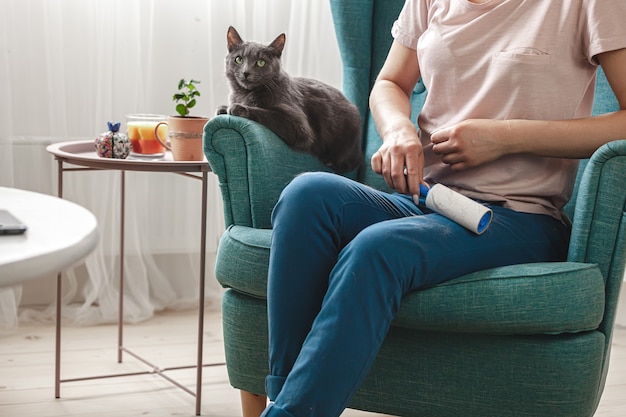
column 471, row 143
column 400, row 161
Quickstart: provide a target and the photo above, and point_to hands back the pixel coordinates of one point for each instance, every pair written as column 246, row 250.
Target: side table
column 83, row 157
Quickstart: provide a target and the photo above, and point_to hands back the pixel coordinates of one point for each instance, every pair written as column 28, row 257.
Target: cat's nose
column 245, row 75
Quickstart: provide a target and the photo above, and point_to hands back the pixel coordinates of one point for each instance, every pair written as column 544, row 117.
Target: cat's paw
column 238, row 110
column 221, row 110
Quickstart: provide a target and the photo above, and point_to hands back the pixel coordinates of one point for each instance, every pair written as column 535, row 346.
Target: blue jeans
column 342, row 257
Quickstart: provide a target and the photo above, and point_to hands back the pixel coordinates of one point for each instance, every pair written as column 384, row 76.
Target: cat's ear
column 278, row 44
column 233, row 38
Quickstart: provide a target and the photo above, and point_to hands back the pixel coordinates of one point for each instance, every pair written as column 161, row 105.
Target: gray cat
column 308, row 115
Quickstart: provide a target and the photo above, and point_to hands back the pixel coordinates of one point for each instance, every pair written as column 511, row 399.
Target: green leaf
column 191, row 103
column 182, row 110
column 178, row 96
column 181, row 84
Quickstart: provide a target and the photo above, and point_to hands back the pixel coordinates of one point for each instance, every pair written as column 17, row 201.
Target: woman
column 510, row 87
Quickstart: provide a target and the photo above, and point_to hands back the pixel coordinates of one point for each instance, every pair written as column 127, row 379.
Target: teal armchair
column 523, row 340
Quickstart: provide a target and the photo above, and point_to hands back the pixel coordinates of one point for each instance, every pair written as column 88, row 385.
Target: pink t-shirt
column 509, row 59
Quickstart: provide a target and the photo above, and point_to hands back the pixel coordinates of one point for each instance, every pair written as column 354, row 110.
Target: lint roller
column 457, row 207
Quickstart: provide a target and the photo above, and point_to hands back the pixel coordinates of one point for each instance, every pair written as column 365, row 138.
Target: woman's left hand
column 470, row 143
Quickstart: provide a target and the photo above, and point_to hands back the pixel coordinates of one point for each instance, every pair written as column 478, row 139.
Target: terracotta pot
column 185, row 137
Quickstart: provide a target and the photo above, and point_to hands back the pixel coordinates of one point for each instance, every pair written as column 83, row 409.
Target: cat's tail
column 348, row 165
column 348, row 160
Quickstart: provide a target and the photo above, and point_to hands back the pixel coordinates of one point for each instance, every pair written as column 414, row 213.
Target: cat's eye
column 260, row 63
column 238, row 60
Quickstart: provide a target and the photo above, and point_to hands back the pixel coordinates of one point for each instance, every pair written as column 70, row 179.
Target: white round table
column 60, row 234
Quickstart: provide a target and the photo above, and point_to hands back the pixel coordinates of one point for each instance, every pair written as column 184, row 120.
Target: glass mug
column 140, row 129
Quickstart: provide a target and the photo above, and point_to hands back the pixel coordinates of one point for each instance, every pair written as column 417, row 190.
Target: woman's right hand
column 400, row 160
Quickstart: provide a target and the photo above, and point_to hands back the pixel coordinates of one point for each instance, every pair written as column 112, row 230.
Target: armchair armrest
column 599, row 224
column 253, row 165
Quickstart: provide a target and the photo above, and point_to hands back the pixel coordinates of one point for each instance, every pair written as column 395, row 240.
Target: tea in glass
column 140, row 130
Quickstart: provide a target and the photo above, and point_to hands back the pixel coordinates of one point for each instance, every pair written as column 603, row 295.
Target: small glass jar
column 140, row 129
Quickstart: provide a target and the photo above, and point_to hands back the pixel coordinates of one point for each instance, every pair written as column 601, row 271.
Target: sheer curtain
column 69, row 66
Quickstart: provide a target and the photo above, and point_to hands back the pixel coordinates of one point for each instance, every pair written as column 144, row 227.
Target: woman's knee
column 311, row 184
column 307, row 192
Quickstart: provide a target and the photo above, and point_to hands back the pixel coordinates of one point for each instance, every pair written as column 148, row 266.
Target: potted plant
column 185, row 131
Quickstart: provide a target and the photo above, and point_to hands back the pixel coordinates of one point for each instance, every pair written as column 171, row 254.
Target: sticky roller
column 457, row 207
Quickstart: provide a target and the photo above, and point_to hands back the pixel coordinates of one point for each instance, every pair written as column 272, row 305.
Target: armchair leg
column 252, row 405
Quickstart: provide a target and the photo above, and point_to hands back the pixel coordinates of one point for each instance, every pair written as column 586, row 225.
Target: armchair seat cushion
column 541, row 298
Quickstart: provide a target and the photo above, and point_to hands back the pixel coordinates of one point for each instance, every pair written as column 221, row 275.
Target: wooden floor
column 167, row 340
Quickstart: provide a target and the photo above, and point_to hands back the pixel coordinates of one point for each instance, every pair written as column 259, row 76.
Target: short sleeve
column 411, row 23
column 603, row 27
